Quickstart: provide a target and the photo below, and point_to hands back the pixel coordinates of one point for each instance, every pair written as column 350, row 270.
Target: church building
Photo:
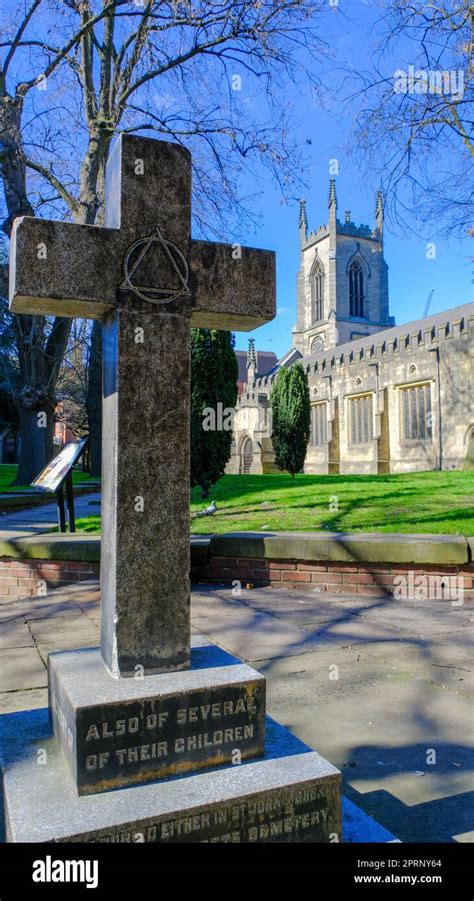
column 384, row 398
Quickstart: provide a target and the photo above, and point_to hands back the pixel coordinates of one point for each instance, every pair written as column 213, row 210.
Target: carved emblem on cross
column 136, row 254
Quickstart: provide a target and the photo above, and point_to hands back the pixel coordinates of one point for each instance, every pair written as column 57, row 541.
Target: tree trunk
column 36, row 434
column 12, row 162
column 94, row 399
column 39, row 354
column 34, row 403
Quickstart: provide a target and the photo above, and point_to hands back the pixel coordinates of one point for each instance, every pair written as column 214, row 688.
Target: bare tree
column 209, row 75
column 415, row 116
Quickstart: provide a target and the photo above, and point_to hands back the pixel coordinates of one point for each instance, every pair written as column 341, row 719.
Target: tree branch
column 87, row 67
column 18, row 36
column 107, row 52
column 25, row 86
column 71, row 202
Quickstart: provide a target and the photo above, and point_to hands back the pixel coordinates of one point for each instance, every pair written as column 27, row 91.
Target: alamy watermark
column 429, row 81
column 412, row 587
column 50, row 870
column 220, row 418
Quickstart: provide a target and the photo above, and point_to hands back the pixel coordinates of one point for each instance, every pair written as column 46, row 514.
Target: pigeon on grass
column 209, row 511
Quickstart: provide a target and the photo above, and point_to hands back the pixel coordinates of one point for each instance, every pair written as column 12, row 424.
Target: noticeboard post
column 57, row 475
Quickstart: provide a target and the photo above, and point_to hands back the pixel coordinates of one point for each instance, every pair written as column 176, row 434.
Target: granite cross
column 149, row 281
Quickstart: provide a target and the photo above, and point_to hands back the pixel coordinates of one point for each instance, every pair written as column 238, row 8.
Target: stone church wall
column 439, row 352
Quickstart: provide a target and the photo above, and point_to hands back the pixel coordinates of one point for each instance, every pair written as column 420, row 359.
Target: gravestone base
column 117, row 732
column 290, row 795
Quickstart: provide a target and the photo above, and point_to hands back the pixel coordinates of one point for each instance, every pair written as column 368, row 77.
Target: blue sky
column 411, row 274
column 324, row 128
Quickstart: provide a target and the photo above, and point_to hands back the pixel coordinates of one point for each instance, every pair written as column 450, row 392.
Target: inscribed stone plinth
column 119, row 732
column 291, row 795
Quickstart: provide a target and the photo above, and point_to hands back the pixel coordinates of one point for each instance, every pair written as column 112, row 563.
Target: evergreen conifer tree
column 291, row 418
column 214, row 372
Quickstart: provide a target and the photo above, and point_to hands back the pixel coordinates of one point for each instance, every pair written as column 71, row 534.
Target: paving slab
column 440, row 664
column 67, row 609
column 250, row 634
column 215, row 604
column 21, row 668
column 15, row 634
column 424, row 621
column 299, row 608
column 353, row 630
column 9, row 615
column 55, row 628
column 32, row 699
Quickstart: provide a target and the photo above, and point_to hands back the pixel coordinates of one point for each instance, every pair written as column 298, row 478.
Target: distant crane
column 428, row 303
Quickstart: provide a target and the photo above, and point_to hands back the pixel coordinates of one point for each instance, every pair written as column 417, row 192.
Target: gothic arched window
column 317, row 291
column 356, row 289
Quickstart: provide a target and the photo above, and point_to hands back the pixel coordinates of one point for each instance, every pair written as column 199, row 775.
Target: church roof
column 266, row 360
column 291, row 356
column 465, row 311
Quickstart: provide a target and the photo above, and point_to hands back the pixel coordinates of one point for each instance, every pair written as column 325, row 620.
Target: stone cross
column 149, row 281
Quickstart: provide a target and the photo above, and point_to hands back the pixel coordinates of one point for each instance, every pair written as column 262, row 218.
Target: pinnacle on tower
column 303, row 221
column 251, row 355
column 379, row 211
column 347, row 216
column 332, row 193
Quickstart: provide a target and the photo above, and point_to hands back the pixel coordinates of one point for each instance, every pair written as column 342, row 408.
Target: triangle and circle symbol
column 178, row 267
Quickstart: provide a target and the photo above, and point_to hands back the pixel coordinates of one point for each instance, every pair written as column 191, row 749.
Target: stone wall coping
column 80, row 548
column 343, row 547
column 306, row 546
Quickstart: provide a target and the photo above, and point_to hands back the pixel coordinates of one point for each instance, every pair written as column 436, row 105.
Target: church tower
column 342, row 282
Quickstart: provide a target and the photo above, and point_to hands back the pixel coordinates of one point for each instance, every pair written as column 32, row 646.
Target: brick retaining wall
column 337, row 577
column 26, row 578
column 361, row 564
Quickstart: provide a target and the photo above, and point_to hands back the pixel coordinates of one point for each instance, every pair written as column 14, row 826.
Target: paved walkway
column 34, row 520
column 382, row 688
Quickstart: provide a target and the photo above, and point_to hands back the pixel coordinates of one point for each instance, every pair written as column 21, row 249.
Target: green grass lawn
column 8, row 474
column 437, row 502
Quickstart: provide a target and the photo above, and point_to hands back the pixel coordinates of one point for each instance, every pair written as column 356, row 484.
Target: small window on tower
column 356, row 289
